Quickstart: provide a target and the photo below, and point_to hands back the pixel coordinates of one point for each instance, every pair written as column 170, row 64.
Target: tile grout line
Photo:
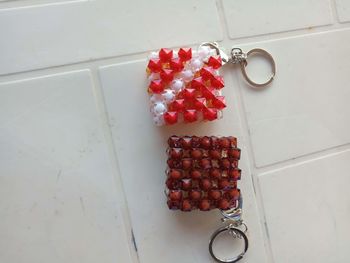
column 103, row 116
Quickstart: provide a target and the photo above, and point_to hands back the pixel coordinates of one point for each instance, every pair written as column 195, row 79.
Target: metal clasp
column 237, row 56
column 234, row 217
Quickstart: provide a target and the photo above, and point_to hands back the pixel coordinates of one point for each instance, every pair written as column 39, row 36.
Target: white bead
column 187, row 75
column 168, row 95
column 153, row 76
column 220, row 114
column 212, row 52
column 156, row 98
column 153, row 55
column 159, row 108
column 196, row 64
column 175, row 55
column 177, row 85
column 203, row 51
column 158, row 120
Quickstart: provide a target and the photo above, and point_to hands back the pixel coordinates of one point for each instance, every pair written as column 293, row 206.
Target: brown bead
column 172, row 163
column 195, row 194
column 186, row 164
column 196, row 153
column 196, row 174
column 233, row 194
column 224, row 204
column 175, row 153
column 204, row 205
column 196, row 142
column 225, row 142
column 205, row 184
column 225, row 163
column 173, row 205
column 173, row 184
column 186, row 205
column 173, row 141
column 205, row 163
column 235, row 174
column 205, row 142
column 175, row 195
column 224, row 183
column 215, row 173
column 234, row 153
column 186, row 142
column 215, row 142
column 233, row 141
column 215, row 154
column 175, row 174
column 186, row 184
column 214, row 194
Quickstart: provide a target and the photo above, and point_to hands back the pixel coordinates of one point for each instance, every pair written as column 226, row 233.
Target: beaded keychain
column 185, row 86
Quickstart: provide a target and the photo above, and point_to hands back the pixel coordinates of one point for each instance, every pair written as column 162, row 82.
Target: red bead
column 185, row 54
column 195, row 194
column 205, row 184
column 215, row 62
column 173, row 205
column 225, row 142
column 154, row 65
column 205, row 142
column 189, row 94
column 176, row 64
column 199, row 103
column 206, row 73
column 196, row 142
column 172, row 163
column 224, row 183
column 170, row 117
column 215, row 154
column 186, row 164
column 224, row 204
column 186, row 142
column 204, row 205
column 214, row 194
column 175, row 195
column 215, row 173
column 186, row 184
column 235, row 174
column 215, row 142
column 197, row 83
column 167, row 75
column 205, row 163
column 165, row 55
column 186, row 205
column 219, row 102
column 178, row 105
column 217, row 82
column 234, row 153
column 190, row 115
column 225, row 163
column 233, row 194
column 196, row 153
column 210, row 114
column 196, row 174
column 156, row 86
column 233, row 141
column 175, row 153
column 175, row 174
column 173, row 141
column 208, row 93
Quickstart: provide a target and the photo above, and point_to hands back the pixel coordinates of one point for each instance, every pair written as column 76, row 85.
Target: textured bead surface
column 201, row 174
column 188, row 75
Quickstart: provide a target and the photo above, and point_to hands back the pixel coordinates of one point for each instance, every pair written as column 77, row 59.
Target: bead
column 215, row 154
column 219, row 102
column 205, row 142
column 189, row 94
column 175, row 195
column 215, row 62
column 187, row 75
column 195, row 142
column 190, row 115
column 205, row 184
column 208, row 93
column 175, row 174
column 165, row 55
column 159, row 108
column 233, row 141
column 197, row 83
column 170, row 117
column 215, row 173
column 233, row 193
column 178, row 105
column 225, row 163
column 224, row 142
column 177, row 85
column 186, row 184
column 224, row 204
column 168, row 95
column 173, row 205
column 174, row 141
column 196, row 64
column 167, row 75
column 199, row 103
column 176, row 65
column 156, row 98
column 185, row 54
column 158, row 120
column 217, row 82
column 186, row 142
column 206, row 73
column 204, row 205
column 186, row 205
column 156, row 86
column 214, row 194
column 196, row 153
column 195, row 194
column 153, row 76
column 154, row 65
column 235, row 174
column 175, row 153
column 234, row 153
column 195, row 174
column 203, row 51
column 205, row 163
column 209, row 114
column 186, row 164
column 223, row 183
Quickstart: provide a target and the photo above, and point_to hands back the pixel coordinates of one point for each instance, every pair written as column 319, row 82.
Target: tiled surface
column 249, row 18
column 57, row 200
column 307, row 207
column 308, row 111
column 141, row 153
column 56, row 35
column 73, row 187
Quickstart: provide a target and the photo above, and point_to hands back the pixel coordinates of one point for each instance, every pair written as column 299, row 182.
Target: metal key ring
column 265, row 54
column 238, row 232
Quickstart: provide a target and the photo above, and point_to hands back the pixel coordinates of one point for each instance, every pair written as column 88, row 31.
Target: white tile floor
column 82, row 167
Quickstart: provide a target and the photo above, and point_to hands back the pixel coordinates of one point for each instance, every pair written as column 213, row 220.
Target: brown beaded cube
column 202, row 173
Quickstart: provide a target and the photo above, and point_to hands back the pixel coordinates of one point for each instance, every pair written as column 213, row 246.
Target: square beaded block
column 185, row 85
column 202, row 173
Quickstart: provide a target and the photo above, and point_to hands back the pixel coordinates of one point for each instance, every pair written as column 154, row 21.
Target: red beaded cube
column 185, row 85
column 202, row 173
